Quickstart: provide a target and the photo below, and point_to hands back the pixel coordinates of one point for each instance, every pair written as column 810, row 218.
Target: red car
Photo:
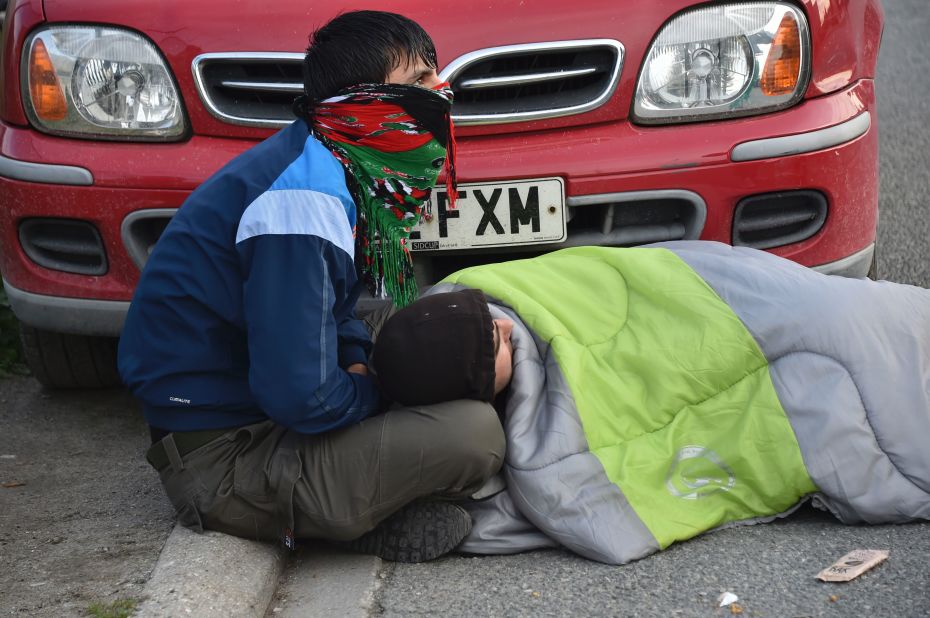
column 610, row 123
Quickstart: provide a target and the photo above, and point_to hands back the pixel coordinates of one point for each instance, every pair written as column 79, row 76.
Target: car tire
column 58, row 360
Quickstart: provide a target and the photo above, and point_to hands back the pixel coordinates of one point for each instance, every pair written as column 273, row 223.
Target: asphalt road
column 82, row 515
column 770, row 567
column 904, row 137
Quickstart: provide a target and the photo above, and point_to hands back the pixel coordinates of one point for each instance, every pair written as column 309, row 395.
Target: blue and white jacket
column 246, row 308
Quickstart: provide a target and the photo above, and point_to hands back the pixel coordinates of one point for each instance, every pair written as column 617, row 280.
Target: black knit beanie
column 437, row 349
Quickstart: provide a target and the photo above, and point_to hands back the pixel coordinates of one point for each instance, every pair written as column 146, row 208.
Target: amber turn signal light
column 783, row 66
column 48, row 100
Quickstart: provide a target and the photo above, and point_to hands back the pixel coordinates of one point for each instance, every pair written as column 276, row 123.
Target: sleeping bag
column 663, row 391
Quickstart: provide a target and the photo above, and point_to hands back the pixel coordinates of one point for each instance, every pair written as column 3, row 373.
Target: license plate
column 516, row 212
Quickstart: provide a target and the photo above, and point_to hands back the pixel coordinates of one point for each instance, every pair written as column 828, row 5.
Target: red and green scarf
column 393, row 140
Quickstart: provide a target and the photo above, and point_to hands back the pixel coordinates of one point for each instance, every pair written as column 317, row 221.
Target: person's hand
column 359, row 368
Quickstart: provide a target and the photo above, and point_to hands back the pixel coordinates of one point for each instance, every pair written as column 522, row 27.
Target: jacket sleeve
column 289, row 299
column 354, row 340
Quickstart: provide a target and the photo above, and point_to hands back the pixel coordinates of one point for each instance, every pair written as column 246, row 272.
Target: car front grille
column 635, row 218
column 253, row 89
column 608, row 219
column 533, row 81
column 495, row 85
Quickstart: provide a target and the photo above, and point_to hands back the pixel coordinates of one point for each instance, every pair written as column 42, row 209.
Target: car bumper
column 827, row 145
column 82, row 316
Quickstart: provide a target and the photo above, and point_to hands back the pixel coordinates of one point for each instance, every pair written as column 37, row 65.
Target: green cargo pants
column 266, row 482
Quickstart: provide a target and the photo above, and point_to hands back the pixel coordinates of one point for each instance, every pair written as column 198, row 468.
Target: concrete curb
column 324, row 581
column 212, row 574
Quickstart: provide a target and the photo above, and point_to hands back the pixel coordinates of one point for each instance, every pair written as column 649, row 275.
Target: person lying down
column 651, row 394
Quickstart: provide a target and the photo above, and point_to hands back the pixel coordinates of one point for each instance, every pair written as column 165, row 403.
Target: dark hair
column 357, row 48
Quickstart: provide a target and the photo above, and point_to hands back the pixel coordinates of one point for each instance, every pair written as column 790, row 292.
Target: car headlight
column 105, row 83
column 724, row 61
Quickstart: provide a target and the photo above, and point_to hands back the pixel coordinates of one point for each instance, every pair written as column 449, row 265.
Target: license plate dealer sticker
column 516, row 212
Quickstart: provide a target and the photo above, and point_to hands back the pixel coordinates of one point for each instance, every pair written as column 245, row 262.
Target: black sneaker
column 418, row 532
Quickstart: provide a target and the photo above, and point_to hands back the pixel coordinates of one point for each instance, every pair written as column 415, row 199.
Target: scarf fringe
column 452, row 192
column 392, row 260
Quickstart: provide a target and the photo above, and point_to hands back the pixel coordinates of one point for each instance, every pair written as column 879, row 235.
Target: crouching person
column 242, row 342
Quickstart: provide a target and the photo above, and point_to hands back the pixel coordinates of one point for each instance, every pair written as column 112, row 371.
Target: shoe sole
column 417, row 533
